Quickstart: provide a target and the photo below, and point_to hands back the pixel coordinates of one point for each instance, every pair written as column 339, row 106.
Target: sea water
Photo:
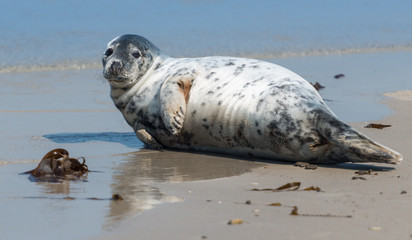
column 74, row 33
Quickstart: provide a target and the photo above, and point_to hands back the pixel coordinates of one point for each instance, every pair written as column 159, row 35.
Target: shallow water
column 84, row 206
column 53, row 94
column 72, row 110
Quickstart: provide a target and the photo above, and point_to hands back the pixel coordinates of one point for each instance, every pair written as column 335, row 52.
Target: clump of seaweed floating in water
column 57, row 164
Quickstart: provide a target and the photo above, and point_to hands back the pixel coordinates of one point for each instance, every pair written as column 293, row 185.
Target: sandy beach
column 179, row 195
column 373, row 206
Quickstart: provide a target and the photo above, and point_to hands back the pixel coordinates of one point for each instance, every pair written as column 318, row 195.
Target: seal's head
column 127, row 58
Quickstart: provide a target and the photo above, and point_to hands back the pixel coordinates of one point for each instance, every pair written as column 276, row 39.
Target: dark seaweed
column 56, row 165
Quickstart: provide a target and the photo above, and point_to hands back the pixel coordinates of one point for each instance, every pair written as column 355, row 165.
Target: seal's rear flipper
column 148, row 139
column 348, row 145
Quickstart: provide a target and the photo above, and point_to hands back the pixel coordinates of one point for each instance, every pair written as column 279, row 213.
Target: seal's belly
column 249, row 107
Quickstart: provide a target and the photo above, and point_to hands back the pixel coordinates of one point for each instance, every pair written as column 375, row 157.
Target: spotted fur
column 231, row 105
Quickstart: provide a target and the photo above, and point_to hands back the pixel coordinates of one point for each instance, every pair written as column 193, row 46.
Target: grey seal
column 229, row 105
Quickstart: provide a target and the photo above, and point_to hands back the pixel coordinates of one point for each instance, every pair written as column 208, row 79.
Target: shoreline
column 66, row 65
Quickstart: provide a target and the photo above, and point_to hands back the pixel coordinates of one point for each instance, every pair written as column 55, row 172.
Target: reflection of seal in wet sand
column 231, row 105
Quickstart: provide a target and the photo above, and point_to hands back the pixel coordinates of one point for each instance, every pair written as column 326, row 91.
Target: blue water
column 60, row 33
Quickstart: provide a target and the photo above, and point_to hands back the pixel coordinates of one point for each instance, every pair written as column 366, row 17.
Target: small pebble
column 117, row 197
column 275, row 204
column 294, row 211
column 375, row 228
column 311, row 167
column 235, row 221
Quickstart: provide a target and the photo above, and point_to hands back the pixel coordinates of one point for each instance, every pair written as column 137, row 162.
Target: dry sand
column 379, row 205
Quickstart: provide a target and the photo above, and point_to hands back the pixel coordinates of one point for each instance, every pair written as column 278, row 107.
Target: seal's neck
column 121, row 96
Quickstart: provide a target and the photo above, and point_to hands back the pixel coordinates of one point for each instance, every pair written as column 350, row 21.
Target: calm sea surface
column 74, row 33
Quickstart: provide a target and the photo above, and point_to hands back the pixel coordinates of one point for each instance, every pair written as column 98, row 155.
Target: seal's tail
column 347, row 144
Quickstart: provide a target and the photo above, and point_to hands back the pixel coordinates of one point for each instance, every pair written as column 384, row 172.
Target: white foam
column 63, row 66
column 17, row 161
column 81, row 65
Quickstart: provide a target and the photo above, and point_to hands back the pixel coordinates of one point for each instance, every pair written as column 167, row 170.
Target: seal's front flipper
column 147, row 139
column 174, row 96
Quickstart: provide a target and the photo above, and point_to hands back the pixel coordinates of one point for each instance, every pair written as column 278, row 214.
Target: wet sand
column 178, row 195
column 378, row 205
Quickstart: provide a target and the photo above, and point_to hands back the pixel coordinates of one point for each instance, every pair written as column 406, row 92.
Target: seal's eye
column 108, row 52
column 136, row 54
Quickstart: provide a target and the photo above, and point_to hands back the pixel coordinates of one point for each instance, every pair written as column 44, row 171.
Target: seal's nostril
column 116, row 66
